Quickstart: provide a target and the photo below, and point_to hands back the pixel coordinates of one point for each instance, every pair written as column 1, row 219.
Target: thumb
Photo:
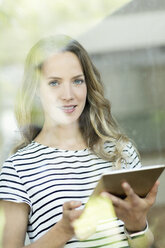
column 151, row 196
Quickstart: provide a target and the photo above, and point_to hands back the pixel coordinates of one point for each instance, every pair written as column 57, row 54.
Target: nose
column 67, row 92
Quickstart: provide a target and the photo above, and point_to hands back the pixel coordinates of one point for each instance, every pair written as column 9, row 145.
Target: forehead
column 61, row 62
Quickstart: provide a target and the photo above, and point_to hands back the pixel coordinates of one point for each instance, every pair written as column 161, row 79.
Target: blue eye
column 79, row 81
column 53, row 83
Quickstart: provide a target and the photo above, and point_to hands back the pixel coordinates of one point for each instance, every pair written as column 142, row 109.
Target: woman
column 69, row 138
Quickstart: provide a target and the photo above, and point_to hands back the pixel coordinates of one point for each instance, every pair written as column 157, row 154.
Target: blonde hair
column 96, row 122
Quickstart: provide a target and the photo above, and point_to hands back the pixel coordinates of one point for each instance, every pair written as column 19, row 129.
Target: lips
column 68, row 108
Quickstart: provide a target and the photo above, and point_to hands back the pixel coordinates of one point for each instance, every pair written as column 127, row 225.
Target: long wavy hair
column 96, row 122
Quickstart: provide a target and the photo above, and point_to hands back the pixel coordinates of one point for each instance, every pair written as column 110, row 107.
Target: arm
column 133, row 212
column 16, row 221
column 142, row 241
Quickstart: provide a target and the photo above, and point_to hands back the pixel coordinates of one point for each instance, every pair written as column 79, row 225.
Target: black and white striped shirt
column 45, row 178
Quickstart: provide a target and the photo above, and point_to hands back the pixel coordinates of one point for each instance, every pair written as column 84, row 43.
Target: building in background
column 129, row 50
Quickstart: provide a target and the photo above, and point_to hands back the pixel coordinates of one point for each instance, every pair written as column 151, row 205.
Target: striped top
column 45, row 178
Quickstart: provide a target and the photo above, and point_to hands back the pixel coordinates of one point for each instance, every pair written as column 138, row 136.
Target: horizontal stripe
column 61, row 184
column 60, row 179
column 2, row 196
column 49, row 153
column 46, row 162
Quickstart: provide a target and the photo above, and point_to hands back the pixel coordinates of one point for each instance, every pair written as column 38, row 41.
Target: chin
column 67, row 121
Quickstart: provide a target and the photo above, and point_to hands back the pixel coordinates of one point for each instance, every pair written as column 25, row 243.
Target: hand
column 133, row 209
column 69, row 215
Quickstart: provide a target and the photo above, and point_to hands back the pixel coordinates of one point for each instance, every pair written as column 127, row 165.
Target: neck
column 66, row 137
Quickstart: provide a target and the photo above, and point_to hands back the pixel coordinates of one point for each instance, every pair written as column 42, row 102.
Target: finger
column 75, row 214
column 117, row 202
column 129, row 192
column 71, row 205
column 151, row 196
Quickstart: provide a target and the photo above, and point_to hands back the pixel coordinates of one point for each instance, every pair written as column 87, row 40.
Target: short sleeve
column 11, row 186
column 131, row 157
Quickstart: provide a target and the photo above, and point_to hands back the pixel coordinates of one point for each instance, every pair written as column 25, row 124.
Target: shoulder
column 26, row 151
column 131, row 156
column 126, row 148
column 109, row 146
column 128, row 152
column 23, row 154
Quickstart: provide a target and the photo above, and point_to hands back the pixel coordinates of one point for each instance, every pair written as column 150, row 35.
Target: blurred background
column 127, row 46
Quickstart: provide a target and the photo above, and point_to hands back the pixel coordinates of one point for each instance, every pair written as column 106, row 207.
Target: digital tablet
column 141, row 180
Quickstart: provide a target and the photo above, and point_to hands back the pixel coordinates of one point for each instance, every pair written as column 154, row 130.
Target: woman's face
column 62, row 90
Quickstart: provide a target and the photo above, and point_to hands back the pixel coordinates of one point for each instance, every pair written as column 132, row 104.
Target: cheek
column 47, row 101
column 47, row 95
column 83, row 94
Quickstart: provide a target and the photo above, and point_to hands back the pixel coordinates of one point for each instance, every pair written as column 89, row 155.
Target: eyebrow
column 77, row 76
